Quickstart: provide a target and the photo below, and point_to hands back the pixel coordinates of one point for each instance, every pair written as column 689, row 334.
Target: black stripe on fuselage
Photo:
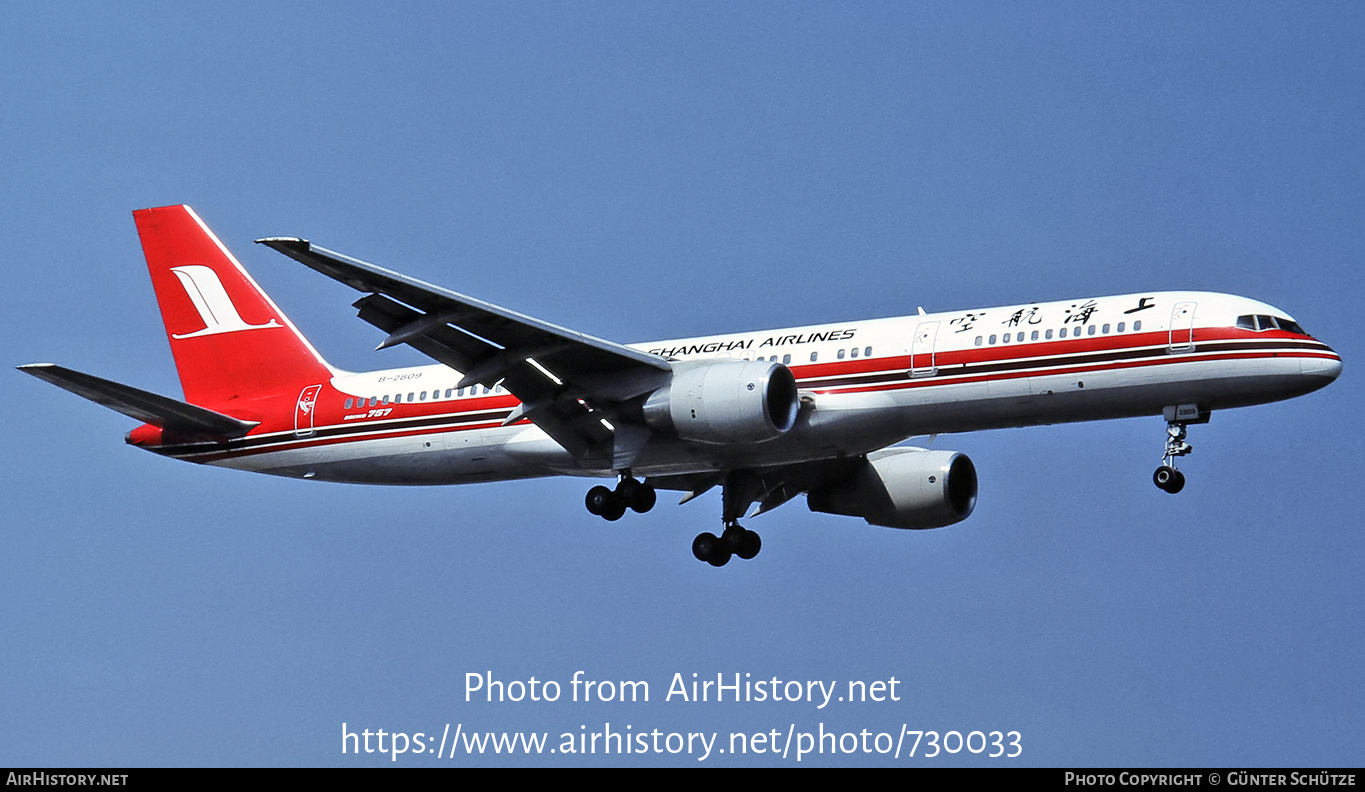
column 886, row 378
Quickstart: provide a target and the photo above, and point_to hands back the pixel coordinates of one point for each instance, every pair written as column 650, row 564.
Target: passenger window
column 384, row 400
column 992, row 338
column 840, row 356
column 1090, row 331
column 1120, row 328
column 1033, row 336
column 867, row 351
column 448, row 392
column 1005, row 339
column 1137, row 325
column 1048, row 335
column 374, row 400
column 978, row 340
column 786, row 359
column 853, row 352
column 348, row 404
column 813, row 356
column 1105, row 329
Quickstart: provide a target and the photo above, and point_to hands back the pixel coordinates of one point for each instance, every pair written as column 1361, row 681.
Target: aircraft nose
column 1329, row 368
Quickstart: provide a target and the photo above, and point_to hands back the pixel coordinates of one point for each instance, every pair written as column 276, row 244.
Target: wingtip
column 281, row 243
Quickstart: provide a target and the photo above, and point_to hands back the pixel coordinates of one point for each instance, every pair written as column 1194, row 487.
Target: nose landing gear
column 1167, row 477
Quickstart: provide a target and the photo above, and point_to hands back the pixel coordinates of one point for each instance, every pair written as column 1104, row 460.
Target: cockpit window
column 1262, row 322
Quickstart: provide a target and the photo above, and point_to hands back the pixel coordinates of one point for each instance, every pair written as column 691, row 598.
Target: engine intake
column 725, row 401
column 904, row 488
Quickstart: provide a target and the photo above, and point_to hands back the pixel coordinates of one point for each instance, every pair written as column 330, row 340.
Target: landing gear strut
column 1167, row 477
column 630, row 493
column 739, row 491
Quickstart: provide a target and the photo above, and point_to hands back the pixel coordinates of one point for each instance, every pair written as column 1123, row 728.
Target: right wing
column 570, row 384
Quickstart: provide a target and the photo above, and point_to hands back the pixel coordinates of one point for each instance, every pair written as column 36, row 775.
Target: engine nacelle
column 904, row 488
column 725, row 401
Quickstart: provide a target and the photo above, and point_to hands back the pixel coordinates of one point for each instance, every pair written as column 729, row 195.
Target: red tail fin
column 232, row 344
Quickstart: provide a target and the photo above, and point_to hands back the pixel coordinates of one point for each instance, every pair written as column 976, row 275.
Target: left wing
column 570, row 384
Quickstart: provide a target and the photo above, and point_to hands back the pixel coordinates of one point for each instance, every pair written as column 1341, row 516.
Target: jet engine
column 725, row 401
column 903, row 488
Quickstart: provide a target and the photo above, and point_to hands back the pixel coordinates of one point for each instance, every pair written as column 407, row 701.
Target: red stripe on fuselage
column 893, row 370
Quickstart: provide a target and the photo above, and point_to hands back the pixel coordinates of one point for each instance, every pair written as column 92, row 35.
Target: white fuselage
column 864, row 385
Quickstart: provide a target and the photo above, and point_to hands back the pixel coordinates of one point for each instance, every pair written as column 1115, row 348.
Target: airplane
column 765, row 415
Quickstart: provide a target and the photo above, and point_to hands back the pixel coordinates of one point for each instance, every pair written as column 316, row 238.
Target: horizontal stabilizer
column 167, row 413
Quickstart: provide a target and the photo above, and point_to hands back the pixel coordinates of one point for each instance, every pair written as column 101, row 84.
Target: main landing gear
column 1167, row 477
column 739, row 490
column 735, row 540
column 630, row 493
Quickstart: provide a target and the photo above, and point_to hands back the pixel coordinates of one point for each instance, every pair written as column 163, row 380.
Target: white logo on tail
column 211, row 300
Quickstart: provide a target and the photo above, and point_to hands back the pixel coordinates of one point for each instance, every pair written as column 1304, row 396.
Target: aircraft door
column 304, row 410
column 1182, row 327
column 922, row 350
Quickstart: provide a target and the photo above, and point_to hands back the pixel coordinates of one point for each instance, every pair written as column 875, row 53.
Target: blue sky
column 642, row 171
